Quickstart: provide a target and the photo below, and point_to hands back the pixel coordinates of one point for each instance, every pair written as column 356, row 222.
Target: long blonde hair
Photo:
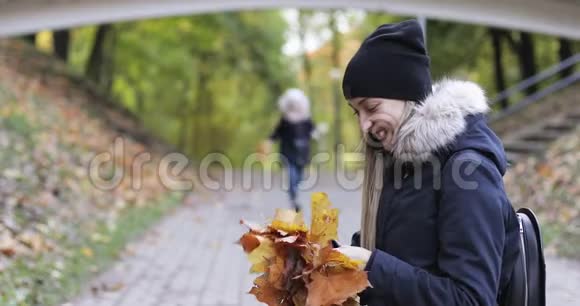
column 376, row 161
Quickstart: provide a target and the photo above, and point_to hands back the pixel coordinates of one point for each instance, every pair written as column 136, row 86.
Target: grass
column 550, row 232
column 46, row 280
column 570, row 246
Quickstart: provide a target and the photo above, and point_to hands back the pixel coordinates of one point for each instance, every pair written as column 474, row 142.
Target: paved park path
column 190, row 258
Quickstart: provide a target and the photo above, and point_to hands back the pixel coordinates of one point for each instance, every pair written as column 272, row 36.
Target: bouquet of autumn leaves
column 300, row 267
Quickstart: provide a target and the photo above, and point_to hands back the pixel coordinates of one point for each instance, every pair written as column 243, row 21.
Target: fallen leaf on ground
column 87, row 252
column 198, row 220
column 8, row 245
column 113, row 287
column 33, row 240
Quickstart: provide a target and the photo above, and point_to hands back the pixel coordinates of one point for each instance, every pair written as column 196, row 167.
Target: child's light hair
column 294, row 105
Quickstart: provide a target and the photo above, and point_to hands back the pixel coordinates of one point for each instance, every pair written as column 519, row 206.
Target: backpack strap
column 534, row 254
column 516, row 293
column 527, row 286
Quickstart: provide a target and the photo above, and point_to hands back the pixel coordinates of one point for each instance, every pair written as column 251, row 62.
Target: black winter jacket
column 447, row 234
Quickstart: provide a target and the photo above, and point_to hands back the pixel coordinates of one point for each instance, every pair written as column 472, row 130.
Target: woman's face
column 378, row 119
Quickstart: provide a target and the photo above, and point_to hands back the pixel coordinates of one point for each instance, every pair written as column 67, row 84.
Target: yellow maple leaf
column 260, row 255
column 332, row 259
column 87, row 252
column 289, row 221
column 324, row 223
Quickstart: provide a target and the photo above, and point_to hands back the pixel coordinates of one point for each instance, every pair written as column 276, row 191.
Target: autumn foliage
column 299, row 267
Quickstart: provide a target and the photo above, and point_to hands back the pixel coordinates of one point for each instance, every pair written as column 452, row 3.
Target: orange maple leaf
column 249, row 242
column 335, row 288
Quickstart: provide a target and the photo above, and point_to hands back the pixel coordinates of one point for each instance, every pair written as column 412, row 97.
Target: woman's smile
column 379, row 120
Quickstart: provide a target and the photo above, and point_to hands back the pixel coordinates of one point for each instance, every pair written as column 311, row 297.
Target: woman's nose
column 365, row 124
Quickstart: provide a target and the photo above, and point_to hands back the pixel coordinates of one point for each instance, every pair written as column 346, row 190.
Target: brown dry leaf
column 33, row 240
column 266, row 293
column 130, row 250
column 275, row 273
column 324, row 224
column 289, row 221
column 249, row 242
column 199, row 220
column 545, row 170
column 351, row 302
column 113, row 287
column 566, row 214
column 8, row 245
column 8, row 251
column 299, row 298
column 311, row 257
column 335, row 288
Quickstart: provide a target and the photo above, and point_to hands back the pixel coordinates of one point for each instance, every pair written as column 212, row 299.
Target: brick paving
column 190, row 258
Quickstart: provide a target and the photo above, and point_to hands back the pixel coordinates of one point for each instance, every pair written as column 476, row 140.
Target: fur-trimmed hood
column 438, row 122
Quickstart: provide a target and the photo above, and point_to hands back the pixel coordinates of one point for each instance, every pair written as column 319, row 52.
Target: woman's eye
column 373, row 108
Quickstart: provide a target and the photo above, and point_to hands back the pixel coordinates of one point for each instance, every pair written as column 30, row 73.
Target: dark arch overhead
column 556, row 17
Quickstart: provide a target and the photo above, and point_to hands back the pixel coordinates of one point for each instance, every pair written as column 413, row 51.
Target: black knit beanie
column 392, row 63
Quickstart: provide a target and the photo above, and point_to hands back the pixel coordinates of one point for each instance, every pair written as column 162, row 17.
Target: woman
column 437, row 226
column 294, row 132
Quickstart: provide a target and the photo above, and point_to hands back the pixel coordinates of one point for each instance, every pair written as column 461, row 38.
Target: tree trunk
column 527, row 59
column 303, row 18
column 96, row 59
column 336, row 47
column 565, row 52
column 61, row 41
column 30, row 38
column 500, row 84
column 108, row 63
column 200, row 108
column 140, row 97
column 182, row 139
